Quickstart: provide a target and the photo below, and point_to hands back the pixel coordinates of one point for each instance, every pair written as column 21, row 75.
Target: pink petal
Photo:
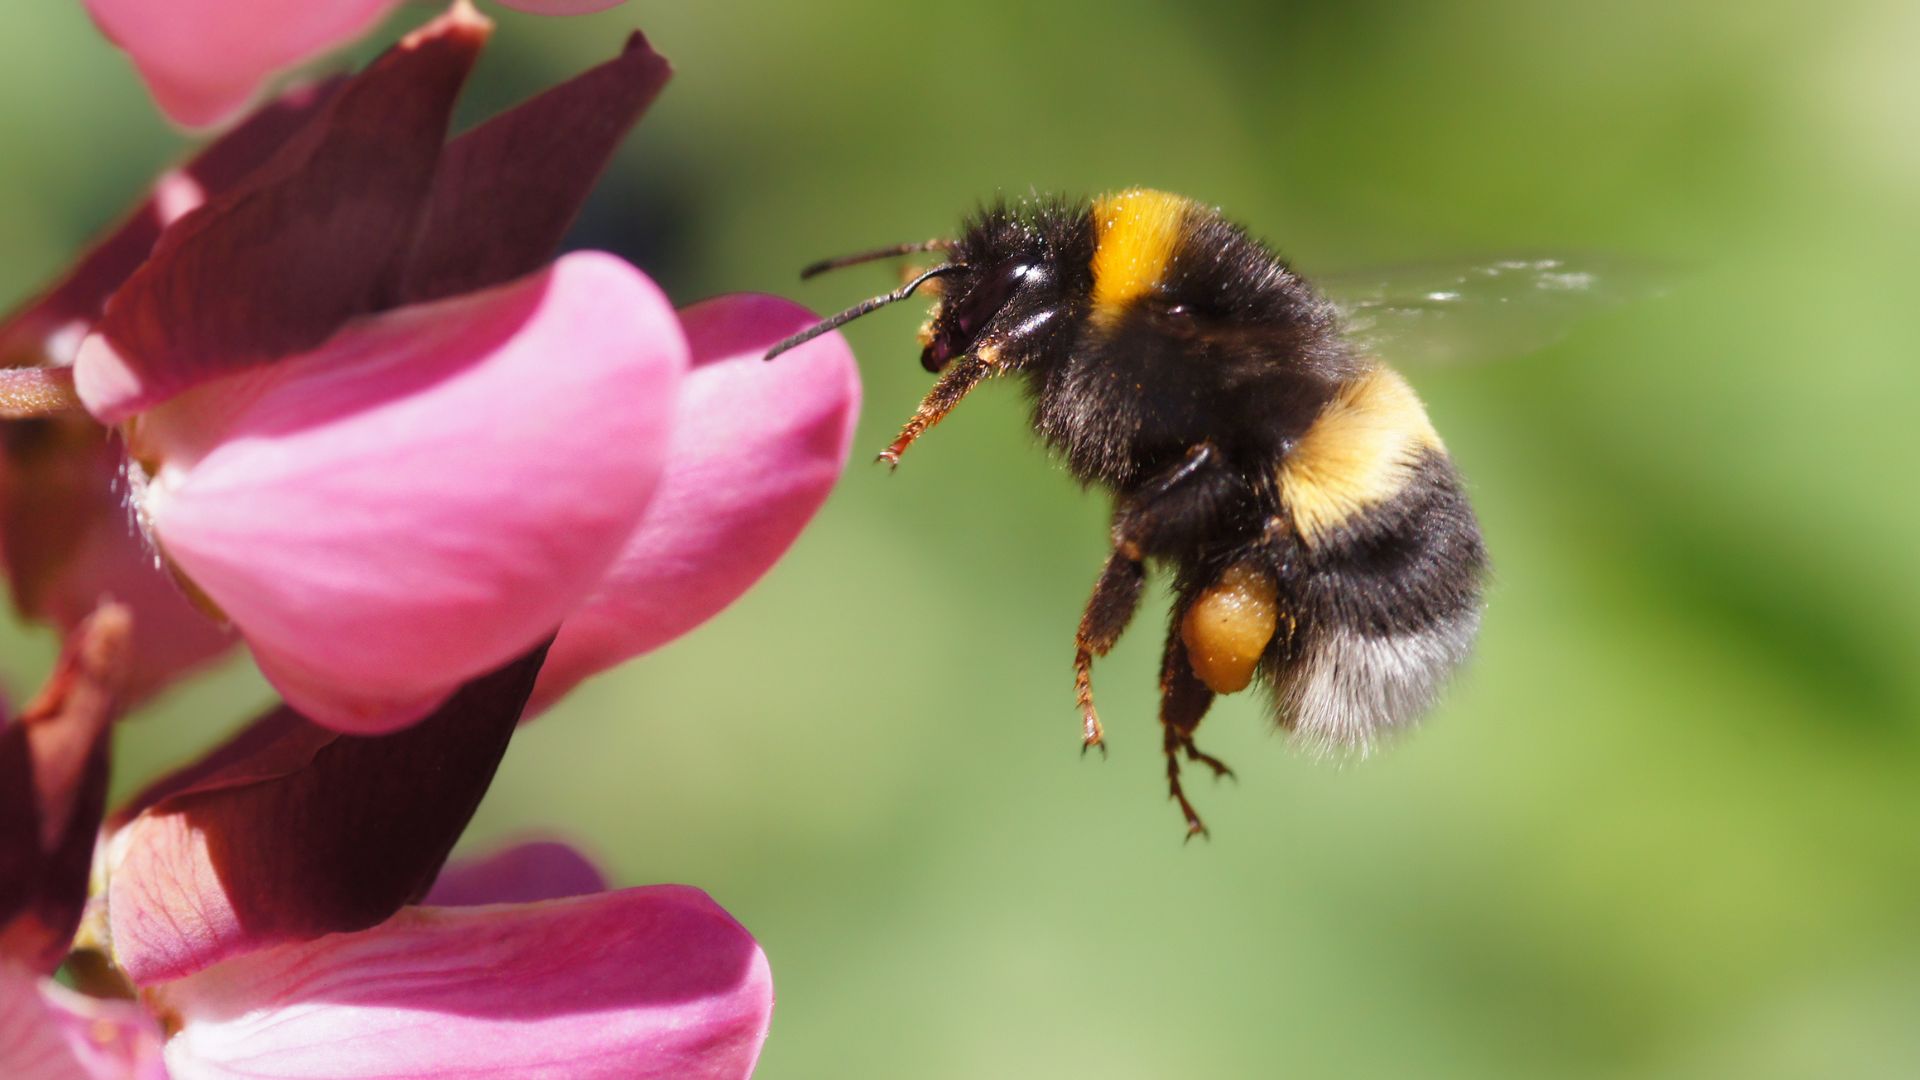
column 290, row 831
column 307, row 241
column 505, row 192
column 561, row 7
column 32, row 1044
column 655, row 982
column 205, row 59
column 429, row 493
column 48, row 1032
column 755, row 450
column 521, row 874
column 53, row 790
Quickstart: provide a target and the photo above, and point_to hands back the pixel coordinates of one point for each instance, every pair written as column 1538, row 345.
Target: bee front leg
column 1109, row 610
column 965, row 374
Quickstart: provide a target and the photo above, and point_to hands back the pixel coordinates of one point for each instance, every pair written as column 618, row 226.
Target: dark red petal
column 311, row 239
column 507, row 191
column 53, row 789
column 277, row 745
column 293, row 831
column 29, row 335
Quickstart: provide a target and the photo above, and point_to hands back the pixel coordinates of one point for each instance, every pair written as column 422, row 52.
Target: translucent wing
column 1456, row 313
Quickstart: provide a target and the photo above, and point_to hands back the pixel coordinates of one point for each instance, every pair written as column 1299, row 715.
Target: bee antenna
column 861, row 308
column 888, row 252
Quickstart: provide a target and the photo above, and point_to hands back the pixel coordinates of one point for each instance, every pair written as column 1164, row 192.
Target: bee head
column 986, row 307
column 998, row 289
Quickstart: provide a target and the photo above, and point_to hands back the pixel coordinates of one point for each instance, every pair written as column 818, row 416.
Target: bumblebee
column 1319, row 538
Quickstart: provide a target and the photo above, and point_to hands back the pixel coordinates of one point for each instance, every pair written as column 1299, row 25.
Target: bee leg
column 1109, row 610
column 1194, row 753
column 962, row 377
column 1183, row 701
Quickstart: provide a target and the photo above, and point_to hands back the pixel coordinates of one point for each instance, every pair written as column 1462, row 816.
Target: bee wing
column 1471, row 312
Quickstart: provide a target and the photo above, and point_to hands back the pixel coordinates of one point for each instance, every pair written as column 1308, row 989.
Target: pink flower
column 648, row 982
column 431, row 475
column 291, row 830
column 48, row 1032
column 204, row 60
column 723, row 512
column 259, row 900
column 427, row 494
column 523, row 976
column 394, row 447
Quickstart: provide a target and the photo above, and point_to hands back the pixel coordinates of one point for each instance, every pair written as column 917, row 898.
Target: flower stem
column 27, row 393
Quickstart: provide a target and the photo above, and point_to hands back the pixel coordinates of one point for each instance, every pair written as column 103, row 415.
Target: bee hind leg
column 1115, row 598
column 1184, row 700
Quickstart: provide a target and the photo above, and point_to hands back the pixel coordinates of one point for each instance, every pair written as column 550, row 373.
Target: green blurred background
column 1666, row 824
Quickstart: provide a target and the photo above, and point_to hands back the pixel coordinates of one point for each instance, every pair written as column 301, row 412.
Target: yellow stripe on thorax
column 1135, row 232
column 1359, row 452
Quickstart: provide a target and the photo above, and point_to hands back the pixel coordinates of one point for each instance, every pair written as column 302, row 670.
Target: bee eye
column 974, row 311
column 985, row 301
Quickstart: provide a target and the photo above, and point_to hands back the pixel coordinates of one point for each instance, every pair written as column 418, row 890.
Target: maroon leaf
column 506, row 192
column 292, row 831
column 307, row 241
column 53, row 789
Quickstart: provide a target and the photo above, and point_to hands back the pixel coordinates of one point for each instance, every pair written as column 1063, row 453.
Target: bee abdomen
column 1388, row 589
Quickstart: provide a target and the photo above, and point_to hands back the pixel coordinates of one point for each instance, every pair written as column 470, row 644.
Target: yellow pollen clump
column 1229, row 626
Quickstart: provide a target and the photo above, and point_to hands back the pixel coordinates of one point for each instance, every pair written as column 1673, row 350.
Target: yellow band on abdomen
column 1359, row 452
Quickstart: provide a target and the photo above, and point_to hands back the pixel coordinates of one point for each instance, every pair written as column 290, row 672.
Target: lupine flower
column 646, row 982
column 205, row 60
column 431, row 475
column 377, row 433
column 261, row 901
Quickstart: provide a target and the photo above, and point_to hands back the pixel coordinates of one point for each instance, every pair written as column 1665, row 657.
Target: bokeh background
column 1666, row 824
